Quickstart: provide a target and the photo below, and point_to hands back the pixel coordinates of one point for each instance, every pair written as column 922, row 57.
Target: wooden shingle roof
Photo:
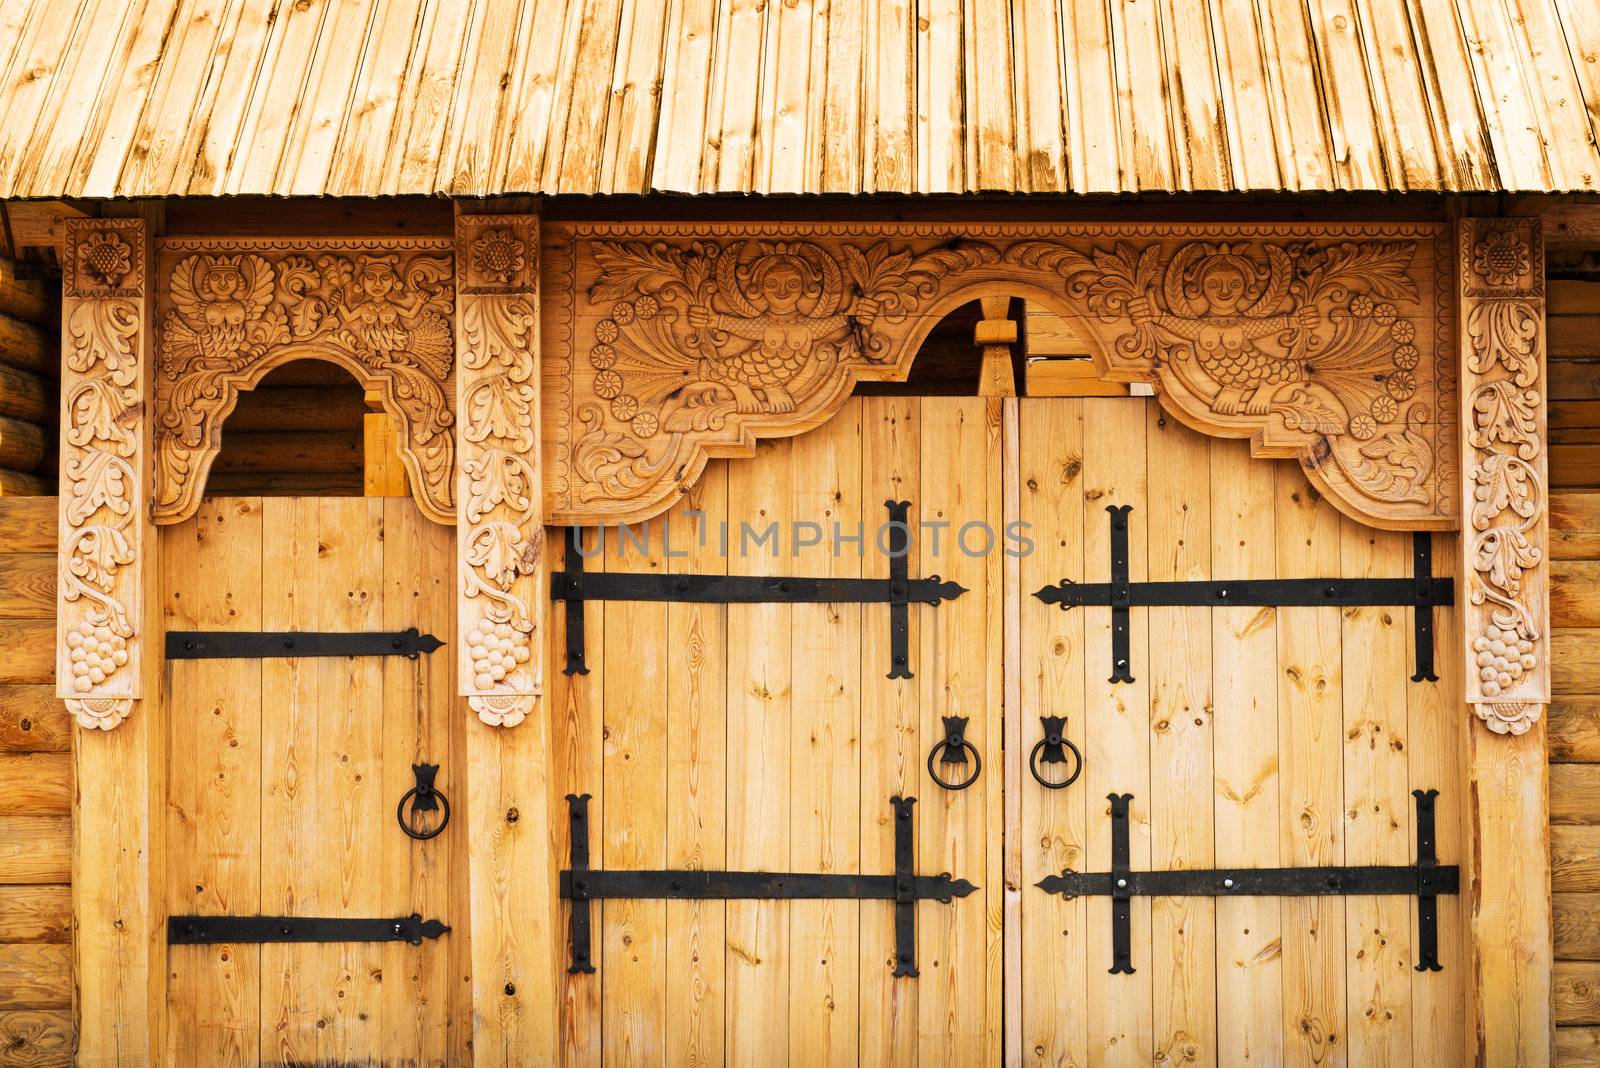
column 107, row 98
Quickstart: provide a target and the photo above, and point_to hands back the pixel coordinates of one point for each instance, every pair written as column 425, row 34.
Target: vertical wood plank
column 825, row 745
column 1183, row 929
column 1244, row 657
column 1116, row 725
column 1056, row 941
column 1311, row 788
column 891, row 726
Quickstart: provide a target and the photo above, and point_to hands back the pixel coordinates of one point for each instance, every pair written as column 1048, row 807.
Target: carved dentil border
column 1505, row 538
column 232, row 310
column 500, row 486
column 105, row 390
column 662, row 342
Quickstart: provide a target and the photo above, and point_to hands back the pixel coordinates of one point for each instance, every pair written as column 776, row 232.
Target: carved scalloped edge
column 502, row 710
column 99, row 713
column 1508, row 717
column 681, row 466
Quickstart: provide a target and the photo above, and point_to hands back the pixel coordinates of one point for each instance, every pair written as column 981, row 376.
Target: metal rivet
column 1228, row 883
column 1122, row 884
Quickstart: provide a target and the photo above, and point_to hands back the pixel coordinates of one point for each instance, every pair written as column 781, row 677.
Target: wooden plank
column 1575, row 524
column 1116, row 722
column 1575, row 593
column 1575, row 923
column 825, row 745
column 27, row 585
column 26, row 396
column 27, row 299
column 20, row 484
column 36, row 784
column 30, row 646
column 1183, row 929
column 211, row 578
column 33, row 720
column 1575, row 729
column 36, row 914
column 35, row 849
column 1572, row 379
column 383, row 473
column 299, row 450
column 1574, row 465
column 1508, row 892
column 1310, row 674
column 1575, row 992
column 1575, row 793
column 1576, row 1047
column 1248, row 822
column 1573, row 335
column 892, row 743
column 29, row 348
column 22, row 445
column 760, row 493
column 40, row 1038
column 1069, row 378
column 28, row 525
column 1575, row 660
column 35, row 976
column 1011, row 736
column 697, row 778
column 1053, row 831
column 1571, row 296
column 1575, row 857
column 273, row 407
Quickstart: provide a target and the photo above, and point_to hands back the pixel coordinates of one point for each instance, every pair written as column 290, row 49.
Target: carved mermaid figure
column 1217, row 299
column 767, row 300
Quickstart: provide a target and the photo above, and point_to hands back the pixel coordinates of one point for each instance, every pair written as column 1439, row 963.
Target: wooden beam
column 502, row 605
column 1506, row 629
column 994, row 335
column 107, row 594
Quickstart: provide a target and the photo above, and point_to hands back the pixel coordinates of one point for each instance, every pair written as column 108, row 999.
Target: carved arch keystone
column 667, row 345
column 230, row 311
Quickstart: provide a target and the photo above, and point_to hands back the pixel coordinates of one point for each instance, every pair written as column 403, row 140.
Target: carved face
column 782, row 285
column 222, row 283
column 1224, row 285
column 377, row 280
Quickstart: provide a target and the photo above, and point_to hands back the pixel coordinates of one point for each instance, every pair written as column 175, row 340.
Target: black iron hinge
column 264, row 644
column 1425, row 880
column 581, row 884
column 899, row 591
column 1422, row 592
column 211, row 930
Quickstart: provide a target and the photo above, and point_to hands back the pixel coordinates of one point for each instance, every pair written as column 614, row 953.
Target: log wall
column 299, row 433
column 35, row 796
column 30, row 318
column 1574, row 337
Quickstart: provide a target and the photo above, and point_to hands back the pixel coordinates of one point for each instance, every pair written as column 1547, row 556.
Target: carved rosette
column 232, row 310
column 1506, row 530
column 499, row 492
column 1317, row 343
column 105, row 392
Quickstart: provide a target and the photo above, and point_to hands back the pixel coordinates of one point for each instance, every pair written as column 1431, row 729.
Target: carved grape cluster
column 96, row 652
column 1503, row 656
column 496, row 650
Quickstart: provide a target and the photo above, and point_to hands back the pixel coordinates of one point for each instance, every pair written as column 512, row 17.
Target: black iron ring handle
column 977, row 764
column 1039, row 749
column 423, row 797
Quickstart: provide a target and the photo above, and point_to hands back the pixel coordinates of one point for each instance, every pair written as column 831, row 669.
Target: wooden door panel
column 294, row 767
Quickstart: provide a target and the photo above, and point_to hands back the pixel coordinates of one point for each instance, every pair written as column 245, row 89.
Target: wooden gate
column 767, row 737
column 283, row 780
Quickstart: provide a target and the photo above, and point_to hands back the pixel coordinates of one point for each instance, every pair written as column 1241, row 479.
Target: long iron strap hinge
column 264, row 644
column 1422, row 592
column 1425, row 880
column 899, row 591
column 581, row 884
column 214, row 930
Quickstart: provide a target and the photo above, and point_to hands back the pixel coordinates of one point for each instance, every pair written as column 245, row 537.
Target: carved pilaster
column 105, row 461
column 1505, row 528
column 499, row 489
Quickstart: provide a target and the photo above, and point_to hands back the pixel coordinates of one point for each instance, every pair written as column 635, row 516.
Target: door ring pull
column 1051, row 749
column 952, row 749
column 423, row 797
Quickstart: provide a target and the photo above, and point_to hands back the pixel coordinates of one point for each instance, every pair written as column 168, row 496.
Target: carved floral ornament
column 665, row 346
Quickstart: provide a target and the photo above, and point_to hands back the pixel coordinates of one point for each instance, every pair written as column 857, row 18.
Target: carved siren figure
column 105, row 385
column 234, row 310
column 1320, row 343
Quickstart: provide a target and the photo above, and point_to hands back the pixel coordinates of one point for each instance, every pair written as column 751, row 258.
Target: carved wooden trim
column 500, row 495
column 666, row 345
column 232, row 310
column 105, row 458
column 1505, row 540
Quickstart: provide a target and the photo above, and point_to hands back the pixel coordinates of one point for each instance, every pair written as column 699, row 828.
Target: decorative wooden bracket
column 1506, row 537
column 499, row 497
column 666, row 345
column 232, row 310
column 104, row 572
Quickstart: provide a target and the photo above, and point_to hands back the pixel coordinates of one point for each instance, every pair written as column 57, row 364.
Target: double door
column 770, row 737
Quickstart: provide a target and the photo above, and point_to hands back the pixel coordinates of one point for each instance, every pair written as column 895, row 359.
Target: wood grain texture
column 28, row 525
column 35, row 976
column 27, row 585
column 36, row 784
column 1576, row 1046
column 1575, row 992
column 1575, row 729
column 37, row 1038
column 1576, row 925
column 35, row 849
column 30, row 646
column 36, row 914
column 33, row 720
